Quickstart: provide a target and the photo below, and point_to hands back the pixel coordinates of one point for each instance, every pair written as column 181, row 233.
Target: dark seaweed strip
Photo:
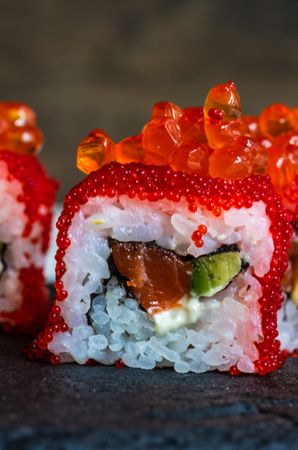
column 3, row 248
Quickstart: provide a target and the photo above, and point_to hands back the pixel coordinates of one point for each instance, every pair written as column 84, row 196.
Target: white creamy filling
column 190, row 311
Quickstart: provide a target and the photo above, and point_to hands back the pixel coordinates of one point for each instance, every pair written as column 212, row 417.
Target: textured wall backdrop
column 102, row 63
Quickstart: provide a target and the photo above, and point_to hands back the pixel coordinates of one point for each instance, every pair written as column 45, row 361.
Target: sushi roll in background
column 27, row 196
column 161, row 267
column 277, row 129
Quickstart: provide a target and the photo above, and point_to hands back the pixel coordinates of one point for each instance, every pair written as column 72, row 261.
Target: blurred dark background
column 83, row 64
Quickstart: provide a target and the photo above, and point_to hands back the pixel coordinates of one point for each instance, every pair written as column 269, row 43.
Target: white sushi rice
column 113, row 326
column 20, row 252
column 288, row 326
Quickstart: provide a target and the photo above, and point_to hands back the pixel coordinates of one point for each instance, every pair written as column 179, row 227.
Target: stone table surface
column 73, row 407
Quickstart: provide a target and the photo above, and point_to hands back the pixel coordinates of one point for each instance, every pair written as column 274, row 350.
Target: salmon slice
column 157, row 278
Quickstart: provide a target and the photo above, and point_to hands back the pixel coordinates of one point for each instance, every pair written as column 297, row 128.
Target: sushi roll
column 156, row 268
column 27, row 196
column 278, row 130
column 171, row 251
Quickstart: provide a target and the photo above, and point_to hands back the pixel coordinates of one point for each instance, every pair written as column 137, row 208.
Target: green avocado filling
column 213, row 273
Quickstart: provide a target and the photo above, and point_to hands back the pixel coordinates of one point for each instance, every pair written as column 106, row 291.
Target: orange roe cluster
column 210, row 140
column 276, row 129
column 18, row 130
column 155, row 183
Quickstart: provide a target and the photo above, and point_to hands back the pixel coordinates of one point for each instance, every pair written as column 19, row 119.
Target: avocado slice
column 212, row 273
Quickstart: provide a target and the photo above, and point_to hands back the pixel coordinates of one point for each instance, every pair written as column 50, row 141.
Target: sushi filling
column 108, row 309
column 288, row 314
column 168, row 286
column 2, row 260
column 290, row 281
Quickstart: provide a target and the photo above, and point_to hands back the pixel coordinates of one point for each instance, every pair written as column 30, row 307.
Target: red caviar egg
column 283, row 161
column 192, row 125
column 237, row 159
column 222, row 111
column 4, row 125
column 295, row 116
column 194, row 113
column 224, row 97
column 234, row 371
column 130, row 150
column 265, row 142
column 94, row 151
column 18, row 114
column 162, row 110
column 202, row 229
column 276, row 119
column 220, row 133
column 26, row 139
column 119, row 364
column 251, row 126
column 197, row 235
column 160, row 137
column 193, row 157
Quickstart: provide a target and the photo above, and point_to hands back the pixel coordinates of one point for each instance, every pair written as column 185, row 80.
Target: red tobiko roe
column 290, row 197
column 38, row 189
column 159, row 182
column 31, row 316
column 197, row 235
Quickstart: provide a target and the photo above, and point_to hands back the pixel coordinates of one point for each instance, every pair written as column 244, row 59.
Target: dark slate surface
column 72, row 407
